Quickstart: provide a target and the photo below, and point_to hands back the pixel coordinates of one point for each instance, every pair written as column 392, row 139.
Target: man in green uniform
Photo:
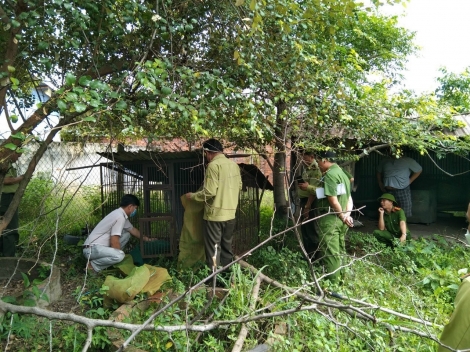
column 456, row 333
column 392, row 221
column 222, row 185
column 10, row 235
column 334, row 204
column 306, row 187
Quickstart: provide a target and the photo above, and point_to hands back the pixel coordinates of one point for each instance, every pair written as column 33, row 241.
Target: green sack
column 124, row 290
column 191, row 246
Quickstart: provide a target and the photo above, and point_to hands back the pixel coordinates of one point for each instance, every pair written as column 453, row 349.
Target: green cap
column 389, row 197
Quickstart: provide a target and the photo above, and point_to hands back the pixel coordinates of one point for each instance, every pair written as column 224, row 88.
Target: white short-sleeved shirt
column 112, row 225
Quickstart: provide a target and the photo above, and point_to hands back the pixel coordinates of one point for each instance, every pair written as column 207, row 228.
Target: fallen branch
column 353, row 311
column 244, row 330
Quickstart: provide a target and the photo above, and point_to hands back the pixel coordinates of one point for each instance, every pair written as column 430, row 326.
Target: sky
column 443, row 34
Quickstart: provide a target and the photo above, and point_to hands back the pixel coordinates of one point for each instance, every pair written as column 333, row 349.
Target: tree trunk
column 279, row 167
column 5, row 220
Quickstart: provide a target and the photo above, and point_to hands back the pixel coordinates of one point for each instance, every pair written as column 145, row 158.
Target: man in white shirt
column 104, row 245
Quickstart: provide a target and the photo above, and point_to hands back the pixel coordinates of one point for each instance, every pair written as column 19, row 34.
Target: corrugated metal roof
column 464, row 131
column 145, row 155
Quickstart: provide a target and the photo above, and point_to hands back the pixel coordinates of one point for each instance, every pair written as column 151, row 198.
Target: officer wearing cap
column 333, row 208
column 392, row 221
column 222, row 185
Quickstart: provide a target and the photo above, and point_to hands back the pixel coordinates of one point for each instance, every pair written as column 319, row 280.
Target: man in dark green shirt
column 333, row 206
column 306, row 187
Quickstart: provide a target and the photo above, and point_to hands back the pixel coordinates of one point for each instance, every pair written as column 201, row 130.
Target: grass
column 419, row 279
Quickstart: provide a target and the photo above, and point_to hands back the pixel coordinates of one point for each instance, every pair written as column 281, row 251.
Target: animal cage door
column 159, row 192
column 161, row 232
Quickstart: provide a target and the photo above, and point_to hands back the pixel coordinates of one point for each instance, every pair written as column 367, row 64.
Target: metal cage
column 159, row 183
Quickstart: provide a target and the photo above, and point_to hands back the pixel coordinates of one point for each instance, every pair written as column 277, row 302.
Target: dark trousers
column 10, row 235
column 309, row 234
column 220, row 233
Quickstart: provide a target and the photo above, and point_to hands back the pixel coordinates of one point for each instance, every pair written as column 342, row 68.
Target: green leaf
column 10, row 146
column 9, row 299
column 26, row 282
column 36, row 291
column 44, row 297
column 96, row 84
column 14, row 118
column 43, row 45
column 11, row 68
column 18, row 135
column 89, row 119
column 61, row 104
column 71, row 96
column 85, row 81
column 121, row 105
column 127, row 118
column 14, row 81
column 70, row 79
column 79, row 107
column 29, row 303
column 166, row 91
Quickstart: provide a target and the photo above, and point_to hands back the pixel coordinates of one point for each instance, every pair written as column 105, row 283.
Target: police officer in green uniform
column 456, row 333
column 10, row 235
column 306, row 187
column 392, row 221
column 333, row 205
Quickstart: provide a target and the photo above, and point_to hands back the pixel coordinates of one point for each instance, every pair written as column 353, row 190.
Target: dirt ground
column 67, row 303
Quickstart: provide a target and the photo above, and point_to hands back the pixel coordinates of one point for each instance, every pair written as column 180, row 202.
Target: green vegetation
column 264, row 75
column 418, row 280
column 47, row 207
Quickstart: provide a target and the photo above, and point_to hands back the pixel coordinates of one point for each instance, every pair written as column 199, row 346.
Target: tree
column 127, row 69
column 305, row 65
column 454, row 90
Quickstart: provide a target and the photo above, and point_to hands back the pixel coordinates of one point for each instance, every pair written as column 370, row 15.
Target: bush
column 44, row 202
column 418, row 279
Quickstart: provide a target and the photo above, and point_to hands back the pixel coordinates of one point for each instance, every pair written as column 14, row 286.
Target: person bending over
column 103, row 247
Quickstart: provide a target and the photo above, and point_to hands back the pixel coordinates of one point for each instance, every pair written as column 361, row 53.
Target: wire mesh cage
column 82, row 183
column 162, row 236
column 160, row 180
column 246, row 233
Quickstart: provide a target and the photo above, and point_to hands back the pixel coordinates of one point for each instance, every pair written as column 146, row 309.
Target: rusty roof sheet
column 463, row 131
column 128, row 156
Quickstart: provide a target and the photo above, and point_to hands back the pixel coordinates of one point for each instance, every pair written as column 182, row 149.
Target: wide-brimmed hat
column 389, row 197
